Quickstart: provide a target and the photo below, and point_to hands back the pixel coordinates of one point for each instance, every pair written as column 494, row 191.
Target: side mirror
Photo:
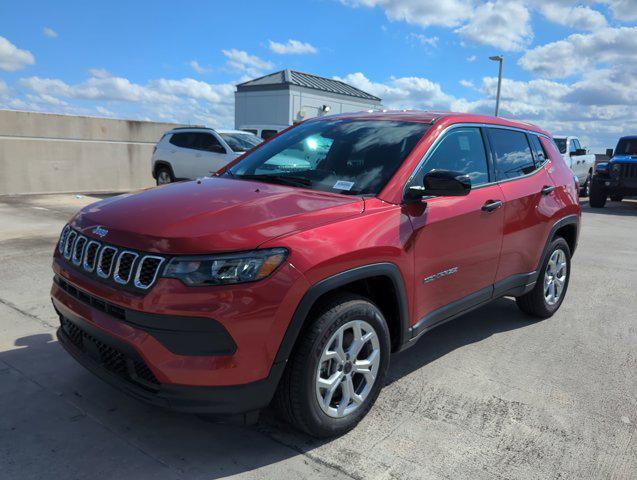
column 609, row 152
column 579, row 152
column 442, row 183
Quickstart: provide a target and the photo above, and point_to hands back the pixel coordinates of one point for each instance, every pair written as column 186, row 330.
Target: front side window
column 512, row 152
column 208, row 143
column 240, row 142
column 355, row 157
column 461, row 150
column 572, row 147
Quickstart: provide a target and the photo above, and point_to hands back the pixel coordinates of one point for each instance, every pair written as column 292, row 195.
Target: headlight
column 616, row 167
column 601, row 167
column 226, row 269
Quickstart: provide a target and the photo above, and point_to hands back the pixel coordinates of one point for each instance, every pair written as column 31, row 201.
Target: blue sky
column 569, row 65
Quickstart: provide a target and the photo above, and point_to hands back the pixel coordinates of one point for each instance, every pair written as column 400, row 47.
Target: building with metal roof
column 281, row 98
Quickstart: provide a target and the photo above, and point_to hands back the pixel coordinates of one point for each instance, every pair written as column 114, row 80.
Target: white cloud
column 425, row 13
column 471, row 58
column 49, row 32
column 467, row 83
column 424, row 40
column 194, row 64
column 13, row 58
column 579, row 17
column 242, row 61
column 99, row 72
column 4, row 88
column 624, row 10
column 579, row 53
column 502, row 24
column 292, row 47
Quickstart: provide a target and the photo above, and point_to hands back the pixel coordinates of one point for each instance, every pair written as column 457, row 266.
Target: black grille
column 148, row 270
column 114, row 360
column 78, row 250
column 91, row 256
column 124, row 267
column 68, row 247
column 106, row 261
column 628, row 170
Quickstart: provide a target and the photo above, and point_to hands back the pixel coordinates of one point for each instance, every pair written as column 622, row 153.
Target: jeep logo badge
column 100, row 231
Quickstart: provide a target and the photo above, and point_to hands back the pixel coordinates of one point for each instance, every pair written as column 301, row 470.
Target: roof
column 432, row 116
column 307, row 80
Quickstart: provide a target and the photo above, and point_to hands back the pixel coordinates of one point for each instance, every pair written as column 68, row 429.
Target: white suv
column 193, row 152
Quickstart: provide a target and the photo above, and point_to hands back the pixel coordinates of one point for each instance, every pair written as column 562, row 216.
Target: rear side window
column 461, row 150
column 512, row 153
column 538, row 150
column 183, row 140
column 265, row 134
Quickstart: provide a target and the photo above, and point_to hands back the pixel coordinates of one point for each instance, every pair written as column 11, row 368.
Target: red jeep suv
column 293, row 274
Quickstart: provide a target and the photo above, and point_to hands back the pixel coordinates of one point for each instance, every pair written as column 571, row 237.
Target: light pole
column 500, row 59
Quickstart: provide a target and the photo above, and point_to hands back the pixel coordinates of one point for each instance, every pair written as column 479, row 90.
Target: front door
column 457, row 240
column 209, row 156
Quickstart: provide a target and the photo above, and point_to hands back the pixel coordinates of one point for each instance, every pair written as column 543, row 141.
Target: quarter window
column 461, row 150
column 512, row 152
column 183, row 140
column 538, row 149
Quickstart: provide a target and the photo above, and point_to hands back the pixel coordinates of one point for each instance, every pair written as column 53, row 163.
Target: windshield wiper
column 284, row 179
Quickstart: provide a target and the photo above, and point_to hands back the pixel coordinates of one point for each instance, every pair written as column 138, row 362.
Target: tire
column 584, row 189
column 297, row 397
column 164, row 175
column 536, row 302
column 616, row 198
column 597, row 195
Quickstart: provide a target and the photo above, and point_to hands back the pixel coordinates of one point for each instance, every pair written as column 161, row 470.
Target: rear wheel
column 337, row 368
column 550, row 288
column 164, row 176
column 597, row 195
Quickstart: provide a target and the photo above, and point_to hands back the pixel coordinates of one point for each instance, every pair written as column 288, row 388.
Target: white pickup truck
column 578, row 159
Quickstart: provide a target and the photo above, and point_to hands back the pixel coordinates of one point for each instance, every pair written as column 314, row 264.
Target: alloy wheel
column 555, row 277
column 163, row 177
column 347, row 369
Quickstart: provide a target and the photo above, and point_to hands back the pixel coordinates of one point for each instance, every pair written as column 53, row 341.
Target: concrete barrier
column 47, row 153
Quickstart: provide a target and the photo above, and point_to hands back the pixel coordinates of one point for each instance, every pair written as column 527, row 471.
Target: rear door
column 456, row 239
column 529, row 202
column 182, row 154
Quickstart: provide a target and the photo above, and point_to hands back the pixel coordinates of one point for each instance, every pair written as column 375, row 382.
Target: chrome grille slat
column 136, row 270
column 90, row 255
column 106, row 259
column 78, row 250
column 124, row 266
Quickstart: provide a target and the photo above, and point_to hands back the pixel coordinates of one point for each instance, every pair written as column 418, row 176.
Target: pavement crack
column 10, row 305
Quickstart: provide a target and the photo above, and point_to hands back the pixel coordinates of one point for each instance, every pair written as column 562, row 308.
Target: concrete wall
column 45, row 153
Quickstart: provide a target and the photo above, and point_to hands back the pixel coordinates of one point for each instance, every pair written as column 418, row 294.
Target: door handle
column 492, row 205
column 547, row 189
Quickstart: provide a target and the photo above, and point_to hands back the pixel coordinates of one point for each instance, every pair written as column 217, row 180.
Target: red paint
column 326, row 234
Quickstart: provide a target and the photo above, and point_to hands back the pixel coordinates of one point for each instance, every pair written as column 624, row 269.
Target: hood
column 211, row 215
column 624, row 159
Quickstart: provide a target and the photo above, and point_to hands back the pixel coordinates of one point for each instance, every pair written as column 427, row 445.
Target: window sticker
column 343, row 185
column 463, row 142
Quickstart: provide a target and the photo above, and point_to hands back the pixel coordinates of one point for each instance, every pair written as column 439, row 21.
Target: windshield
column 561, row 144
column 626, row 146
column 240, row 142
column 355, row 157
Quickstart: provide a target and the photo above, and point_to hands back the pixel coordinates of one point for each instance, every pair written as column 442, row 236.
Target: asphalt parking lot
column 490, row 395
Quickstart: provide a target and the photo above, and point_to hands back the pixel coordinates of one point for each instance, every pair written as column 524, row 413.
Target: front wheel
column 164, row 176
column 337, row 369
column 584, row 189
column 598, row 194
column 551, row 285
column 616, row 198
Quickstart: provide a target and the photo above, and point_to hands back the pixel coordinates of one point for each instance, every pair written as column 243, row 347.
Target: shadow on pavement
column 624, row 208
column 65, row 421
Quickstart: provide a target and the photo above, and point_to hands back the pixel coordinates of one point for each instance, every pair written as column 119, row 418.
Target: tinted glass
column 626, row 146
column 561, row 144
column 240, row 142
column 461, row 150
column 265, row 134
column 346, row 156
column 571, row 146
column 184, row 140
column 512, row 151
column 538, row 149
column 207, row 142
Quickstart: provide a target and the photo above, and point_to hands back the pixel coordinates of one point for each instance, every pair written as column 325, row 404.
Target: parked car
column 293, row 285
column 193, row 152
column 578, row 159
column 263, row 131
column 616, row 178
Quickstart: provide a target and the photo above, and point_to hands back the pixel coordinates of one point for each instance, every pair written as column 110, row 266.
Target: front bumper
column 120, row 365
